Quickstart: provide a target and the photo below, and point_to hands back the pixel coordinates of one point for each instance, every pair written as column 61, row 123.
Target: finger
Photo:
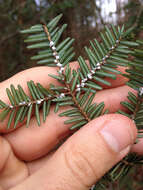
column 120, row 80
column 53, row 130
column 39, row 74
column 35, row 165
column 111, row 98
column 47, row 136
column 138, row 148
column 12, row 170
column 86, row 156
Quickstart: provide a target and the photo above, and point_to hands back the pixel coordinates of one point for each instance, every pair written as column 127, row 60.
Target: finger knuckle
column 79, row 164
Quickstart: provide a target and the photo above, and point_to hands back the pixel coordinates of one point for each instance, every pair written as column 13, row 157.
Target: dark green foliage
column 119, row 173
column 78, row 87
column 22, row 105
column 40, row 39
column 135, row 71
column 135, row 103
column 134, row 107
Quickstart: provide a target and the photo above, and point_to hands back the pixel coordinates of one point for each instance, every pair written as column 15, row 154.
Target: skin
column 27, row 157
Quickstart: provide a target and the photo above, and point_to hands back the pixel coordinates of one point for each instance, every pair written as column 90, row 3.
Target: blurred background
column 85, row 18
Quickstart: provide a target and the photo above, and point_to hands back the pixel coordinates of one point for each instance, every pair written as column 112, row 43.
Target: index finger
column 40, row 74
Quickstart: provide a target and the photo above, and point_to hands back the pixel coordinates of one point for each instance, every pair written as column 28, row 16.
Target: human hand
column 26, row 160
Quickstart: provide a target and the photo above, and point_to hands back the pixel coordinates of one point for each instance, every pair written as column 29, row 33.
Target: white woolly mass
column 59, row 64
column 29, row 104
column 78, row 85
column 57, row 57
column 99, row 67
column 53, row 48
column 93, row 71
column 38, row 101
column 89, row 75
column 62, row 95
column 22, row 103
column 61, row 70
column 141, row 91
column 78, row 89
column 55, row 53
column 82, row 84
column 51, row 43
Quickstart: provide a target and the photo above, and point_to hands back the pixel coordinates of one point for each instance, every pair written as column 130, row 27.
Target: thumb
column 86, row 156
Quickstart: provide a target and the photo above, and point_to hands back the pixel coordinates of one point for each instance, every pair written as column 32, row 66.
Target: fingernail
column 125, row 151
column 117, row 137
